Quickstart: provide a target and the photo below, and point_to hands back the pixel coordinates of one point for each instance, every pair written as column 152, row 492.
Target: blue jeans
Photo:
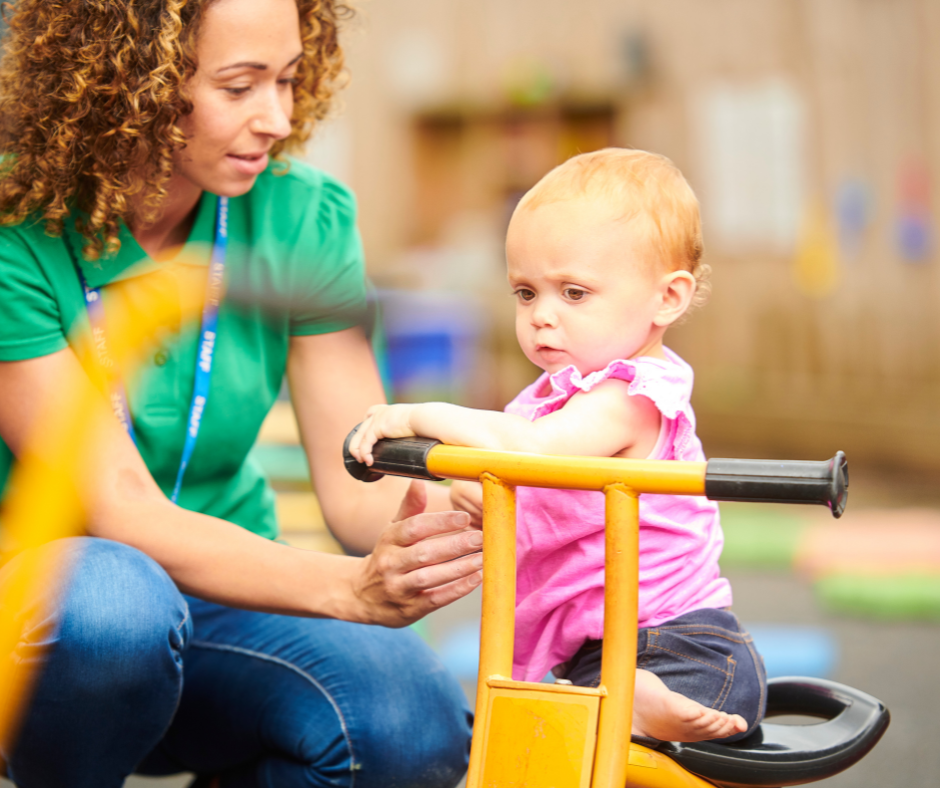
column 705, row 655
column 140, row 678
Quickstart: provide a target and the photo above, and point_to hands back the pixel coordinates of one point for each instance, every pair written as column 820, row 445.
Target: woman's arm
column 333, row 379
column 407, row 576
column 603, row 422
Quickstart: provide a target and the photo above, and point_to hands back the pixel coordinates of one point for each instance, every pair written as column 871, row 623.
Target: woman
column 132, row 129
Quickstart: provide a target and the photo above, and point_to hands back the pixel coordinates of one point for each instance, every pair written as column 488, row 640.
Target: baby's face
column 587, row 291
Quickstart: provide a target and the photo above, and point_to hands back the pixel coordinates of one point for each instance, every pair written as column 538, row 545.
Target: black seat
column 779, row 755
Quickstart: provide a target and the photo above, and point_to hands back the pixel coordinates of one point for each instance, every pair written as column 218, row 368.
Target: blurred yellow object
column 816, row 266
column 45, row 501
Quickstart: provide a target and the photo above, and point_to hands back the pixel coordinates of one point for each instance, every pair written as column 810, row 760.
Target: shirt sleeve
column 31, row 324
column 329, row 281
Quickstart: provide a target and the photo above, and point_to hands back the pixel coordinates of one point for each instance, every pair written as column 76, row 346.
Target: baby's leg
column 699, row 678
column 660, row 713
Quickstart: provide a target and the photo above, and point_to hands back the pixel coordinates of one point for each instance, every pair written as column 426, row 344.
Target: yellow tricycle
column 536, row 735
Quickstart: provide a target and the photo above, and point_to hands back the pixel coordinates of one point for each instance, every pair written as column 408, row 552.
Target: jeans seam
column 290, row 666
column 644, row 656
column 762, row 682
column 692, row 659
column 179, row 627
column 726, row 689
column 179, row 694
column 725, row 634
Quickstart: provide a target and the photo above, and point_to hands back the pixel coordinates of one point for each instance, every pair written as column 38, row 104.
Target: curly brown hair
column 91, row 92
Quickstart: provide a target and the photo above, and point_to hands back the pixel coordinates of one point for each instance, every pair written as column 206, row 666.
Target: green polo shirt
column 294, row 267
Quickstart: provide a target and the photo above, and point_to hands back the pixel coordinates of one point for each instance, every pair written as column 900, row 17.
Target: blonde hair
column 648, row 190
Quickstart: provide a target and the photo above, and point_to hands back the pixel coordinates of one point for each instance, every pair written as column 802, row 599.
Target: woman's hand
column 468, row 497
column 382, row 421
column 422, row 562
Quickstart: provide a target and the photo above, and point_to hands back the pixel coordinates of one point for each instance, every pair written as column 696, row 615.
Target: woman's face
column 242, row 93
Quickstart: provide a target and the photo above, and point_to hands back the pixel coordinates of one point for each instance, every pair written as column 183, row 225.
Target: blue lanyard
column 207, row 336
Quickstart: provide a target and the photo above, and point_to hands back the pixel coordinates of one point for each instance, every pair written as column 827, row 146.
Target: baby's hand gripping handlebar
column 824, row 482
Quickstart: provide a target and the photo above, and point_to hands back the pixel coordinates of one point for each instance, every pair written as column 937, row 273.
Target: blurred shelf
column 282, row 463
column 318, row 542
column 280, row 426
column 302, row 524
column 299, row 511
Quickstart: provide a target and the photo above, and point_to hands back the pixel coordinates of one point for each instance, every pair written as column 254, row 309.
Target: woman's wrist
column 336, row 595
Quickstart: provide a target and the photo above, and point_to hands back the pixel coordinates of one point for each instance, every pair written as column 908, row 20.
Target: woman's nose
column 273, row 117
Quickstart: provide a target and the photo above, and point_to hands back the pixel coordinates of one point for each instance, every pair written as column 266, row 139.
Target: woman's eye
column 240, row 91
column 288, row 81
column 573, row 294
column 524, row 294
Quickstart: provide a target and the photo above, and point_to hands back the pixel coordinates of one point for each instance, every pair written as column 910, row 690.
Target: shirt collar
column 131, row 260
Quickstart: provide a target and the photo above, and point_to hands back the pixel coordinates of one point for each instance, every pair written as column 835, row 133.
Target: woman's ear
column 677, row 288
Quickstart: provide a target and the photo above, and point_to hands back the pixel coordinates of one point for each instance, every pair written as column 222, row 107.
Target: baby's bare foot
column 660, row 713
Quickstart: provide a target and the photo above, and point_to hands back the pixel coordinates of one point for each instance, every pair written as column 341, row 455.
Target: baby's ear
column 677, row 290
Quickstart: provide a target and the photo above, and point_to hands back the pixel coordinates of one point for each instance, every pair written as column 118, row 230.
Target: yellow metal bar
column 572, row 473
column 499, row 578
column 618, row 660
column 498, row 625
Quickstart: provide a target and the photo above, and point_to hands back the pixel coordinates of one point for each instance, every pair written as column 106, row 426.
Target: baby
column 604, row 254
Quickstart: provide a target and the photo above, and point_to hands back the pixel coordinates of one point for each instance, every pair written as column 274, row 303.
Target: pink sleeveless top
column 560, row 533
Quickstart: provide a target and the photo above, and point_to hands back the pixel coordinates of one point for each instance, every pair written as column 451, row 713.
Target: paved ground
column 894, row 662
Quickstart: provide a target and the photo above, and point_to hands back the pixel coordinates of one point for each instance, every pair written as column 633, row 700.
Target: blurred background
column 810, row 130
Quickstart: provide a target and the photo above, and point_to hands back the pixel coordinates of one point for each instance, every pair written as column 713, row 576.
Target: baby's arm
column 603, row 422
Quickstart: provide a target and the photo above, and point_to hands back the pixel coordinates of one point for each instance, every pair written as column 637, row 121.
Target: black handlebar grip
column 401, row 457
column 780, row 481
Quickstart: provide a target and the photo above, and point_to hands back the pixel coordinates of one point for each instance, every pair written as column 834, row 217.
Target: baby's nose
column 544, row 315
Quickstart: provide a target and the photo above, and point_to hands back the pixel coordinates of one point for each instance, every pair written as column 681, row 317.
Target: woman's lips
column 252, row 164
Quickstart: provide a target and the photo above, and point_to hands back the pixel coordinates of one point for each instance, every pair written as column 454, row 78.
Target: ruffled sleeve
column 666, row 382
